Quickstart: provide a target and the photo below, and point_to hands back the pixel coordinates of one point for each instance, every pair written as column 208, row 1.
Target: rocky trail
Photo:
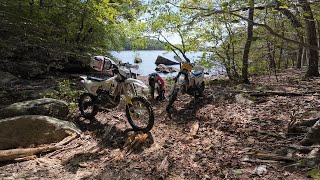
column 218, row 136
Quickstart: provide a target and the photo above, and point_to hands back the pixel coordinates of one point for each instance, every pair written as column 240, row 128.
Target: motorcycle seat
column 96, row 79
column 197, row 73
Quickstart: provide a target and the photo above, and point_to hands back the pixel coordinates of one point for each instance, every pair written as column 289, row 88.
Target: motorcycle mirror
column 136, row 67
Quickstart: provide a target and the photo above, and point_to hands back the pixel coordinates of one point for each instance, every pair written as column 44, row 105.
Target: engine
column 106, row 100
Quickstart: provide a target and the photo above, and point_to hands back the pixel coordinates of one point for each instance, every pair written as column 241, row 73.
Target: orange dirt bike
column 187, row 81
column 106, row 93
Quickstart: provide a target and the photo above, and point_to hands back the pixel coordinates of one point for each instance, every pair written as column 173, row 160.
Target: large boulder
column 165, row 61
column 75, row 63
column 24, row 131
column 45, row 106
column 27, row 61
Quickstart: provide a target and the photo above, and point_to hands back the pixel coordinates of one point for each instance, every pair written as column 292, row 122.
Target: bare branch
column 271, row 31
column 182, row 41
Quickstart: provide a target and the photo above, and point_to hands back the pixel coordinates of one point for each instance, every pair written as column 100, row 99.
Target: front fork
column 130, row 105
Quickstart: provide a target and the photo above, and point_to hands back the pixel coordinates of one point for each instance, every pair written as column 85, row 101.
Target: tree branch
column 271, row 31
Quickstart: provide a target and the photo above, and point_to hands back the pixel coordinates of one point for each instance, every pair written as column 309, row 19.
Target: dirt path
column 224, row 145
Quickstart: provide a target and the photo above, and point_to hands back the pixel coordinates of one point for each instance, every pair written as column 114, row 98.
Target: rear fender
column 136, row 82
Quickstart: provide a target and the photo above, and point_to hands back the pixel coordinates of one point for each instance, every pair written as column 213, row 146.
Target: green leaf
column 255, row 38
column 251, row 3
column 224, row 4
column 306, row 14
column 283, row 7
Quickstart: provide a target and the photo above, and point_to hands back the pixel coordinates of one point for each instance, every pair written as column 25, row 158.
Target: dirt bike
column 187, row 81
column 106, row 93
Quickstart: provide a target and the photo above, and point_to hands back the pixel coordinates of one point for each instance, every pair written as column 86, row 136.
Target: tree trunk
column 304, row 57
column 318, row 24
column 313, row 69
column 247, row 46
column 300, row 52
column 31, row 3
column 280, row 57
column 281, row 47
column 272, row 63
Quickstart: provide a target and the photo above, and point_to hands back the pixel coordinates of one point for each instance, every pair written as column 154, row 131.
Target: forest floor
column 214, row 137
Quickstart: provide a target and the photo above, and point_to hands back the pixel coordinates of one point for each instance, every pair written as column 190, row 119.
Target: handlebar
column 128, row 65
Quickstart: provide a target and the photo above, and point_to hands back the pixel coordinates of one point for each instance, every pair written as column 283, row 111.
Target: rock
column 6, row 78
column 75, row 63
column 312, row 136
column 26, row 68
column 165, row 69
column 194, row 129
column 162, row 68
column 314, row 153
column 23, row 131
column 27, row 61
column 10, row 96
column 165, row 61
column 45, row 106
column 137, row 60
column 242, row 99
column 172, row 69
column 261, row 170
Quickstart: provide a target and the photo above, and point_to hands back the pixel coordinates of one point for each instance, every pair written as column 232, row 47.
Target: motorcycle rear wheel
column 84, row 105
column 137, row 121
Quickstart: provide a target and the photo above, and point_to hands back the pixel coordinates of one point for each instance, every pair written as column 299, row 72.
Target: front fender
column 136, row 82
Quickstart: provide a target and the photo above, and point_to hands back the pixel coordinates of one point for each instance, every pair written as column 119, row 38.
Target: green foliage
column 66, row 92
column 85, row 25
column 314, row 173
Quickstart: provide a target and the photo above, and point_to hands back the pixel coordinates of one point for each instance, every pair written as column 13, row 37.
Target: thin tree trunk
column 318, row 23
column 272, row 64
column 233, row 69
column 280, row 57
column 313, row 69
column 281, row 47
column 304, row 57
column 247, row 46
column 300, row 52
column 287, row 62
column 31, row 3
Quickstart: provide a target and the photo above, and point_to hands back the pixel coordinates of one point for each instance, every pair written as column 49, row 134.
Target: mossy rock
column 137, row 60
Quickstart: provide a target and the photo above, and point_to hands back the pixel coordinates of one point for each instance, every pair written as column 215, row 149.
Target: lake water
column 147, row 66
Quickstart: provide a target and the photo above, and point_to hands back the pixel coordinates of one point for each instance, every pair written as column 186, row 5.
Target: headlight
column 181, row 79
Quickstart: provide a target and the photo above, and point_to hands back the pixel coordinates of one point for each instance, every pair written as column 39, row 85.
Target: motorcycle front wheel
column 172, row 99
column 141, row 117
column 87, row 106
column 200, row 90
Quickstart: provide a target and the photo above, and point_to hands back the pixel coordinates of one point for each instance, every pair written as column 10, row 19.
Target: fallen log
column 276, row 93
column 269, row 156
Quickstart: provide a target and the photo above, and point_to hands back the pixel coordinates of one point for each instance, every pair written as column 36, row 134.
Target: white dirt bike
column 106, row 93
column 189, row 80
